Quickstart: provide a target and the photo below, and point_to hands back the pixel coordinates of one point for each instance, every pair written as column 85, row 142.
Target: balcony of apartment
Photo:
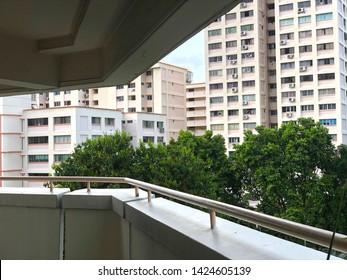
column 196, row 103
column 132, row 223
column 196, row 123
column 196, row 94
column 196, row 113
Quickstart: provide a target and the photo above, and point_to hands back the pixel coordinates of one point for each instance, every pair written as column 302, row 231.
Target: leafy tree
column 105, row 156
column 283, row 167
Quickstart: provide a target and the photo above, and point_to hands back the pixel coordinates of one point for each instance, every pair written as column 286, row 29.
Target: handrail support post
column 212, row 218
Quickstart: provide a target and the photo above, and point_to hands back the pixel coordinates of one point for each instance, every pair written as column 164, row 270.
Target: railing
column 307, row 233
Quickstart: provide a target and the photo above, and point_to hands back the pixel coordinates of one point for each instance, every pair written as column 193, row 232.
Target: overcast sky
column 190, row 55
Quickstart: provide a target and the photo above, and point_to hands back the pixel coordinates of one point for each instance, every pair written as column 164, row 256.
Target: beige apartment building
column 270, row 62
column 159, row 90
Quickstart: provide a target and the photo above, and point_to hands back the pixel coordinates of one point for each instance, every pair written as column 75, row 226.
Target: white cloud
column 190, row 55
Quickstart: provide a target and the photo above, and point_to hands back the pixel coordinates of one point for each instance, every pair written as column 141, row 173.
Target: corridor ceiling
column 51, row 45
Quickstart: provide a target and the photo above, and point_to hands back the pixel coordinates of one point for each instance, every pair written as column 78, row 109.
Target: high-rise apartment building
column 270, row 62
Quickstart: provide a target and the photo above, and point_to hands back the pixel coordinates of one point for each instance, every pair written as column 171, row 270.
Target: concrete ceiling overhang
column 49, row 45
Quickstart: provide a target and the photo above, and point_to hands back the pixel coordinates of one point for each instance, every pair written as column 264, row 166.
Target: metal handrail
column 315, row 235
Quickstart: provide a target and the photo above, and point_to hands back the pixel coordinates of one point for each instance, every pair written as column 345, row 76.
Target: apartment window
column 287, row 36
column 231, row 44
column 273, row 113
column 233, row 98
column 288, row 109
column 132, row 97
column 149, row 97
column 67, row 103
column 271, row 6
column 273, row 99
column 251, row 125
column 160, row 124
column 271, row 46
column 132, row 110
column 250, row 97
column 248, row 83
column 326, row 91
column 216, row 86
column 271, row 20
column 326, row 61
column 149, row 109
column 325, row 31
column 160, row 139
column 305, row 34
column 148, row 139
column 303, row 49
column 304, row 93
column 249, row 111
column 323, row 2
column 307, row 108
column 232, row 57
column 129, row 121
column 215, row 32
column 247, row 55
column 287, row 80
column 38, row 158
column 233, row 126
column 305, row 4
column 217, row 127
column 247, row 14
column 38, row 122
column 306, row 63
column 271, row 33
column 218, row 19
column 328, row 76
column 120, row 98
column 288, row 65
column 272, row 72
column 229, row 30
column 247, row 42
column 119, row 87
column 306, row 78
column 148, row 124
column 96, row 120
column 248, row 69
column 288, row 94
column 247, row 27
column 230, row 16
column 57, row 93
column 148, row 73
column 217, row 113
column 132, row 85
column 216, row 100
column 215, row 59
column 62, row 120
column 333, row 137
column 325, row 16
column 96, row 102
column 287, row 7
column 287, row 51
column 57, row 103
column 327, row 106
column 233, row 140
column 305, row 19
column 285, row 22
column 326, row 46
column 328, row 121
column 109, row 121
column 62, row 139
column 59, row 158
column 271, row 59
column 231, row 71
column 232, row 85
column 148, row 85
column 38, row 140
column 272, row 86
column 218, row 72
column 234, row 112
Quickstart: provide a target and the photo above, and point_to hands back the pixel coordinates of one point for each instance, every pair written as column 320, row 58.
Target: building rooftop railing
column 308, row 233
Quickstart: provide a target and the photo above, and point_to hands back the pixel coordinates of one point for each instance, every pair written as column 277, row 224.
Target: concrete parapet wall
column 114, row 224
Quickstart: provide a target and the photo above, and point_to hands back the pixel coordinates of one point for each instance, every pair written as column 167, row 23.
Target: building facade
column 270, row 62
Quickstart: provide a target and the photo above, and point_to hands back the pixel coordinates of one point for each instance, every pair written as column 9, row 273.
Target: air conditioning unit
column 245, row 117
column 292, row 85
column 161, row 130
column 234, row 89
column 290, row 56
column 244, row 47
column 243, row 33
column 301, row 10
column 233, row 61
column 303, row 68
column 291, row 99
column 243, row 5
column 289, row 115
column 244, row 102
column 282, row 42
column 235, row 76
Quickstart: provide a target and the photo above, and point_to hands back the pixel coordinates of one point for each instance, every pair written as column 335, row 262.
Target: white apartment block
column 273, row 61
column 159, row 90
column 196, row 108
